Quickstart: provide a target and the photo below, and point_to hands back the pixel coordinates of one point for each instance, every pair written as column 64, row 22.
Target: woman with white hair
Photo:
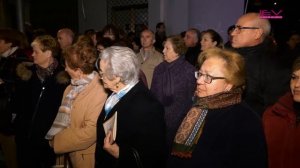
column 138, row 136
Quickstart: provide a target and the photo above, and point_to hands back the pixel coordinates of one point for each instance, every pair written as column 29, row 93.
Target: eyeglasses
column 207, row 78
column 239, row 28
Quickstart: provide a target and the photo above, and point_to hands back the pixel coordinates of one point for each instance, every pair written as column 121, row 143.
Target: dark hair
column 105, row 42
column 10, row 36
column 296, row 65
column 160, row 24
column 113, row 29
column 215, row 36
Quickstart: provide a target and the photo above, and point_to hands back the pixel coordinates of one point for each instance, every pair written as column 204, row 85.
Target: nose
column 200, row 80
column 234, row 32
column 297, row 83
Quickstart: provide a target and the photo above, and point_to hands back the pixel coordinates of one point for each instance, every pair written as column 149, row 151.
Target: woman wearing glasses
column 219, row 130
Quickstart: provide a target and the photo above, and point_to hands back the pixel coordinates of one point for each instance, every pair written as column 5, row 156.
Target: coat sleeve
column 83, row 135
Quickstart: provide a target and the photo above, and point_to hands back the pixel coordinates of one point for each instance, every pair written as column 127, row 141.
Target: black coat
column 140, row 125
column 37, row 104
column 266, row 78
column 7, row 89
column 232, row 137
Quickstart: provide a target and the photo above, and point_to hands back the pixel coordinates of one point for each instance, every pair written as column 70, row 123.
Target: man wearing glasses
column 266, row 79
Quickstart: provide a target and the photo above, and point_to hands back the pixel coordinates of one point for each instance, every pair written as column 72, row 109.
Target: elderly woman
column 174, row 84
column 37, row 101
column 136, row 133
column 74, row 129
column 210, row 38
column 219, row 130
column 281, row 125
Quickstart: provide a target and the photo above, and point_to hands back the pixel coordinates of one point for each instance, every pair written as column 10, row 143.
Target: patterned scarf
column 43, row 73
column 190, row 130
column 63, row 117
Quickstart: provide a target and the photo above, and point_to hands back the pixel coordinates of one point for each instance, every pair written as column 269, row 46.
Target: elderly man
column 148, row 56
column 192, row 41
column 266, row 78
column 65, row 37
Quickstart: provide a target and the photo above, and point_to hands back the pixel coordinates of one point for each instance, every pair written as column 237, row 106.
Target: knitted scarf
column 190, row 130
column 63, row 117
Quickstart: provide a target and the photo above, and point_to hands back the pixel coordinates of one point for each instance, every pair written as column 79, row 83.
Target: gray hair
column 122, row 62
column 264, row 24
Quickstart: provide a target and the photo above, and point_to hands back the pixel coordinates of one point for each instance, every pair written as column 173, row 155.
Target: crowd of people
column 107, row 99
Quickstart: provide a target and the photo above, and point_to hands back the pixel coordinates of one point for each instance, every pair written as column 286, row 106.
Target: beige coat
column 79, row 140
column 148, row 65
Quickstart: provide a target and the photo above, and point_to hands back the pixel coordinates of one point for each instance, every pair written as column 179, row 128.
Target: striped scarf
column 63, row 117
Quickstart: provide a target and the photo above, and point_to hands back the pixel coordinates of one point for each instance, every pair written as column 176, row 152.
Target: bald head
column 257, row 21
column 65, row 37
column 250, row 30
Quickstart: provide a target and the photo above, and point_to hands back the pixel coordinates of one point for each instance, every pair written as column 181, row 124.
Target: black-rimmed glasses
column 238, row 28
column 207, row 78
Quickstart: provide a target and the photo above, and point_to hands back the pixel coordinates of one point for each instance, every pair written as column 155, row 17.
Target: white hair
column 122, row 62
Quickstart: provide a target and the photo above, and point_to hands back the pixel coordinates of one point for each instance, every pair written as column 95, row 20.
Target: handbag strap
column 137, row 158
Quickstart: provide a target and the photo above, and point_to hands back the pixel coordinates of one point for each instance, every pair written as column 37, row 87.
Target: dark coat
column 174, row 84
column 266, row 78
column 232, row 137
column 7, row 89
column 140, row 125
column 37, row 104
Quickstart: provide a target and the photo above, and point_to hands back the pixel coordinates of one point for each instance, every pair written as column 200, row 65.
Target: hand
column 1, row 81
column 110, row 146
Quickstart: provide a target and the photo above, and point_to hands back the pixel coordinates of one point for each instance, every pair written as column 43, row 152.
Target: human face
column 295, row 85
column 4, row 46
column 294, row 41
column 147, row 39
column 214, row 67
column 245, row 34
column 41, row 58
column 207, row 42
column 109, row 83
column 64, row 40
column 190, row 39
column 74, row 73
column 169, row 54
column 100, row 48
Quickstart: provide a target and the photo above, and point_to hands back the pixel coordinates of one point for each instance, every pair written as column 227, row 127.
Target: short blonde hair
column 235, row 73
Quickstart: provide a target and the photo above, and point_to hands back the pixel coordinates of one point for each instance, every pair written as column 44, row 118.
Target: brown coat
column 79, row 140
column 148, row 65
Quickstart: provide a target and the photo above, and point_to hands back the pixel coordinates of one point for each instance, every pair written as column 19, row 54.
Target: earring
column 117, row 85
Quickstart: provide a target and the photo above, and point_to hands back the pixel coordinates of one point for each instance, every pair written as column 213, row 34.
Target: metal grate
column 129, row 15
